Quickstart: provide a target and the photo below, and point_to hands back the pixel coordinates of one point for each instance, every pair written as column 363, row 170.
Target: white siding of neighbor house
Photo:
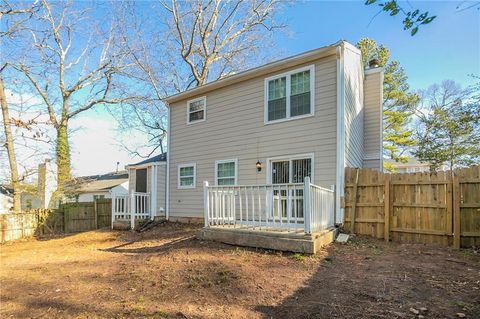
column 373, row 119
column 353, row 69
column 235, row 129
column 161, row 185
column 88, row 197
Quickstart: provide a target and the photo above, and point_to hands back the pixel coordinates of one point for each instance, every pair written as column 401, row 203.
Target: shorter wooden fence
column 440, row 208
column 69, row 218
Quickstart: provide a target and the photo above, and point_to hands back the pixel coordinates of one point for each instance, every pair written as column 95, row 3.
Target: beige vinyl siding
column 235, row 129
column 161, row 189
column 353, row 70
column 373, row 120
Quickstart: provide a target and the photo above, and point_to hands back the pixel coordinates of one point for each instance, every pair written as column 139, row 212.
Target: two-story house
column 256, row 136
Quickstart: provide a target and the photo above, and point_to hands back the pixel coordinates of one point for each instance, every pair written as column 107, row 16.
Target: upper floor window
column 290, row 95
column 196, row 110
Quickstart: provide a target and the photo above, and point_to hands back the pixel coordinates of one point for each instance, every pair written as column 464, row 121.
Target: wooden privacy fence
column 86, row 216
column 69, row 218
column 36, row 222
column 439, row 208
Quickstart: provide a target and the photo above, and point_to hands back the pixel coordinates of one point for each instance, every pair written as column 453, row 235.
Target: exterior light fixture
column 259, row 166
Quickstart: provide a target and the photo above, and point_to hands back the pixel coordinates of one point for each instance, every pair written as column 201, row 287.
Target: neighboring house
column 413, row 165
column 6, row 199
column 91, row 188
column 34, row 195
column 256, row 136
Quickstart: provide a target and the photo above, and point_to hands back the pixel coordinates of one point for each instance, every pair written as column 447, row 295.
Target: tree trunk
column 10, row 149
column 62, row 153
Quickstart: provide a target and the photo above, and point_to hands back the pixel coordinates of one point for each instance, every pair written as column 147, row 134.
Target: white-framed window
column 226, row 172
column 197, row 110
column 290, row 95
column 187, row 175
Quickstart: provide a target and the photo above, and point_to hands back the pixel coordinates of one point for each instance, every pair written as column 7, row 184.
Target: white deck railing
column 295, row 207
column 136, row 205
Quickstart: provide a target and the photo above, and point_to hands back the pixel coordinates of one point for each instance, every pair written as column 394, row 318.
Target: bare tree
column 202, row 41
column 22, row 14
column 216, row 38
column 74, row 63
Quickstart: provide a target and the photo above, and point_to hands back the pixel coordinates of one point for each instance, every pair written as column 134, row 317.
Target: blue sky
column 448, row 48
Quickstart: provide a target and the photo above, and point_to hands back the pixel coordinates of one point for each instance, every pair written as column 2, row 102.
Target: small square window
column 196, row 110
column 186, row 176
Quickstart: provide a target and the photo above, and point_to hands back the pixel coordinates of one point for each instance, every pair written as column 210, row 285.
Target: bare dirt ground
column 167, row 273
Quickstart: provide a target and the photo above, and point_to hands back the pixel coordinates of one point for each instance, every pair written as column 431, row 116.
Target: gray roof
column 6, row 190
column 157, row 158
column 95, row 183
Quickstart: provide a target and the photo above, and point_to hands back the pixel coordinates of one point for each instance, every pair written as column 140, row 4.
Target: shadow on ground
column 365, row 280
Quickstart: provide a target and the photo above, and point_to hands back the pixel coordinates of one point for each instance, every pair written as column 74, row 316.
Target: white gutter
column 167, row 188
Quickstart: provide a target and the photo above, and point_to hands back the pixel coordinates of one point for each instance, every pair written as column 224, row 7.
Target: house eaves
column 258, row 71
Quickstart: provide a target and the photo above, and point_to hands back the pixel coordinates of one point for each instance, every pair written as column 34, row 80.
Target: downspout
column 167, row 188
column 340, row 154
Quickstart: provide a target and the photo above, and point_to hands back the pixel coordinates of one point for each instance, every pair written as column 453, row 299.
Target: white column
column 306, row 205
column 133, row 209
column 205, row 203
column 153, row 192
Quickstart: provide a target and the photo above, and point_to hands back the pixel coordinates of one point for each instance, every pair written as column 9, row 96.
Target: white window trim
column 235, row 160
column 179, row 186
column 310, row 68
column 289, row 158
column 204, row 99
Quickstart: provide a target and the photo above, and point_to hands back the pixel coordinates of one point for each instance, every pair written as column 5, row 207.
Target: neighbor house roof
column 157, row 158
column 261, row 70
column 6, row 190
column 411, row 162
column 97, row 183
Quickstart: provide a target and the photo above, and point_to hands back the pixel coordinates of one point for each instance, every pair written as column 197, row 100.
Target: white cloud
column 95, row 148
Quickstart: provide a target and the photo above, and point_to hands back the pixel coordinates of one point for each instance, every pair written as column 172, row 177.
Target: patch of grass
column 160, row 314
column 225, row 276
column 375, row 250
column 461, row 304
column 298, row 257
column 468, row 252
column 195, row 281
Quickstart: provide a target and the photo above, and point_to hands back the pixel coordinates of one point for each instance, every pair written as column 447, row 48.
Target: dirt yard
column 167, row 273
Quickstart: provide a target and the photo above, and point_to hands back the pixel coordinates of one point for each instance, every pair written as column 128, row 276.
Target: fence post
column 65, row 217
column 306, row 205
column 95, row 213
column 206, row 203
column 354, row 203
column 133, row 208
column 456, row 212
column 386, row 206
